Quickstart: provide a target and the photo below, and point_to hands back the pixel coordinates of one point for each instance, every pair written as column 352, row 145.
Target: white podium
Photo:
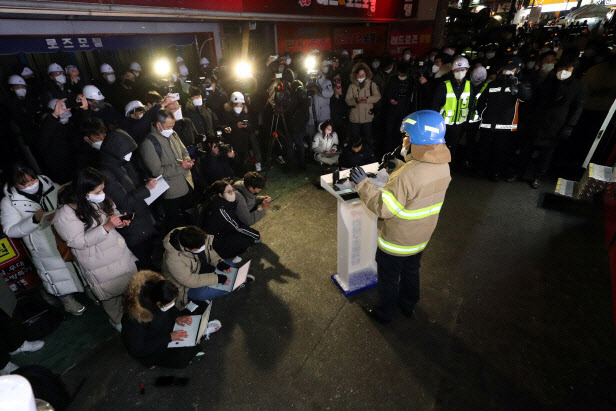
column 357, row 234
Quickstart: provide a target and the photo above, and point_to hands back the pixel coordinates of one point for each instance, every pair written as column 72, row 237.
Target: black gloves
column 222, row 266
column 222, row 278
column 389, row 160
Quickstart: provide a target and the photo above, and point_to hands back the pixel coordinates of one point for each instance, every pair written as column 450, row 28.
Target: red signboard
column 417, row 35
column 15, row 265
column 227, row 5
column 373, row 40
column 293, row 37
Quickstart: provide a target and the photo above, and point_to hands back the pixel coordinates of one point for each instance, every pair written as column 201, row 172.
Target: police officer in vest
column 408, row 208
column 499, row 107
column 452, row 99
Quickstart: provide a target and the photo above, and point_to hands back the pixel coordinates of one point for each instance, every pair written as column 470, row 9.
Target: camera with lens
column 282, row 96
column 311, row 84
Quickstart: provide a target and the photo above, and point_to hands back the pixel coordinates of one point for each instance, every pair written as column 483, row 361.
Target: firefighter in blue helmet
column 408, row 208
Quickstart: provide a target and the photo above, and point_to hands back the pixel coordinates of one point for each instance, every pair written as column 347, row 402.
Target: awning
column 52, row 44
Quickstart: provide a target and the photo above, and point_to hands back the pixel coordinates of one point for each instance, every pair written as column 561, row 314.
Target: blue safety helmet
column 424, row 127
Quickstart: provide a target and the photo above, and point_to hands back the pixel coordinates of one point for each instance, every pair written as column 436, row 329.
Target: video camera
column 311, row 83
column 419, row 69
column 282, row 96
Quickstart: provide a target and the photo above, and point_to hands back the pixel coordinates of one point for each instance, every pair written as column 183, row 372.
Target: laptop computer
column 195, row 330
column 237, row 277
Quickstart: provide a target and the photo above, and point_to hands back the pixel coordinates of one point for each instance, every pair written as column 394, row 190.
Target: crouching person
column 148, row 321
column 248, row 200
column 190, row 263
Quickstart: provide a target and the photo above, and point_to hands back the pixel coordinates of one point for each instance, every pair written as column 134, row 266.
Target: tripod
column 278, row 139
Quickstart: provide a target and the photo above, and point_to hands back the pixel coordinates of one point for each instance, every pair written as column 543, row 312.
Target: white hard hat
column 131, row 106
column 179, row 59
column 16, row 80
column 460, row 63
column 237, row 97
column 479, row 74
column 135, row 66
column 53, row 67
column 106, row 68
column 93, row 93
column 204, row 61
column 27, row 72
column 449, row 51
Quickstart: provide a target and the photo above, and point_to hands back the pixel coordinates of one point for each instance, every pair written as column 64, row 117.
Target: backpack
column 156, row 144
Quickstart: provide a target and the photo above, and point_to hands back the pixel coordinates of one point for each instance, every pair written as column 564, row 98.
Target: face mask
column 21, row 92
column 402, row 78
column 459, row 75
column 31, row 189
column 97, row 145
column 530, row 65
column 61, row 79
column 238, row 110
column 435, row 69
column 128, row 156
column 199, row 250
column 563, row 74
column 178, row 114
column 63, row 120
column 167, row 308
column 508, row 72
column 139, row 116
column 288, row 61
column 407, row 57
column 167, row 133
column 490, row 55
column 111, row 78
column 174, row 77
column 328, row 132
column 388, row 71
column 404, row 152
column 325, row 69
column 96, row 198
column 198, row 102
column 376, row 64
column 65, row 115
column 547, row 67
column 183, row 71
column 361, row 80
column 432, row 58
column 229, row 197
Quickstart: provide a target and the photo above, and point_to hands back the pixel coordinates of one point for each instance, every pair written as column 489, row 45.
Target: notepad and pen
column 161, row 187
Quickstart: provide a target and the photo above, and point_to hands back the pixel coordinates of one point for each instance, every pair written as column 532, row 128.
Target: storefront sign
column 416, row 35
column 372, row 40
column 297, row 38
column 15, row 265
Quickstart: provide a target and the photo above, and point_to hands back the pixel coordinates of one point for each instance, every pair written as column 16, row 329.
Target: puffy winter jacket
column 58, row 276
column 321, row 142
column 320, row 101
column 362, row 112
column 184, row 268
column 409, row 204
column 104, row 256
column 349, row 158
column 247, row 210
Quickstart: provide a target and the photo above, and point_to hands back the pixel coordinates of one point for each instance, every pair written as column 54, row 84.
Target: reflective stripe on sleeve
column 398, row 209
column 401, row 249
column 494, row 90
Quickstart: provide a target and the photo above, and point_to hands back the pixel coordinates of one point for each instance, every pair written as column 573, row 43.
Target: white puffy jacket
column 321, row 101
column 321, row 143
column 59, row 277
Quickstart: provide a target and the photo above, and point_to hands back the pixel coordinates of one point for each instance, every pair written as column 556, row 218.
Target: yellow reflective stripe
column 398, row 209
column 410, row 120
column 432, row 129
column 401, row 249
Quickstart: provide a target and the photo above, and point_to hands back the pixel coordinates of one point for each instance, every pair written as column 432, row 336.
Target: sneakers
column 72, row 306
column 258, row 167
column 236, row 260
column 9, row 368
column 250, row 278
column 199, row 354
column 29, row 346
column 212, row 327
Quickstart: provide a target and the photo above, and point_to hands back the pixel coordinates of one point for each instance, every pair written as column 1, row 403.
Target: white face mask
column 490, row 54
column 167, row 133
column 530, row 65
column 361, row 80
column 435, row 68
column 128, row 156
column 508, row 72
column 288, row 61
column 238, row 110
column 61, row 79
column 229, row 197
column 325, row 69
column 389, row 71
column 198, row 102
column 183, row 71
column 178, row 114
column 64, row 120
column 547, row 67
column 111, row 78
column 199, row 250
column 97, row 145
column 21, row 92
column 168, row 307
column 31, row 189
column 139, row 116
column 407, row 57
column 376, row 64
column 563, row 74
column 404, row 152
column 459, row 75
column 96, row 198
column 402, row 78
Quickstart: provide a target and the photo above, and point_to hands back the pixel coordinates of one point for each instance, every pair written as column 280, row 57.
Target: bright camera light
column 243, row 70
column 311, row 63
column 162, row 67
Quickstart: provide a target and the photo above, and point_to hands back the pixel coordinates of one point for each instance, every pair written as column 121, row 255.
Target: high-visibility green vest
column 455, row 111
column 475, row 117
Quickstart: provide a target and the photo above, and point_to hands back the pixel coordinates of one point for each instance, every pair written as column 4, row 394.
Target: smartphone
column 278, row 75
column 127, row 217
column 218, row 133
column 174, row 96
column 245, row 122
